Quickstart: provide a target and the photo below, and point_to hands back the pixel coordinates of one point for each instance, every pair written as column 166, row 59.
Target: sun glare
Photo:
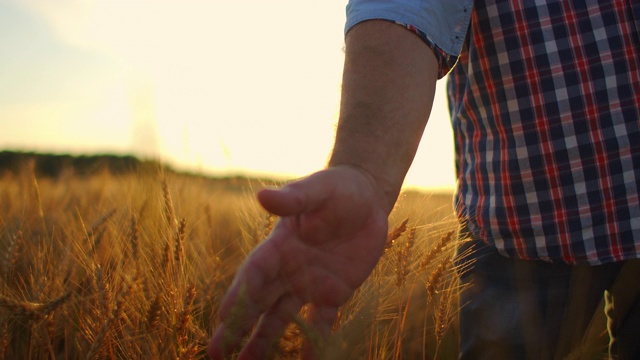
column 242, row 86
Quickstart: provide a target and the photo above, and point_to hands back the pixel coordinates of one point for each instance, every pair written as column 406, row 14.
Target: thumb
column 296, row 198
column 282, row 202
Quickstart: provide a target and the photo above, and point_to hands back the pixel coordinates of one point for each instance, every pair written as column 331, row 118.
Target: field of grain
column 134, row 265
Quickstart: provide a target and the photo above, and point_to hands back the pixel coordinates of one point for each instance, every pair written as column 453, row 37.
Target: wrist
column 383, row 189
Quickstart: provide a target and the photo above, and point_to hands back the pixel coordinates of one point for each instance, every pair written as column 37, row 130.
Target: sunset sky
column 220, row 87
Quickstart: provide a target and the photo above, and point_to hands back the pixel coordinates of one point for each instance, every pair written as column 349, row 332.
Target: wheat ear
column 394, row 234
column 33, row 310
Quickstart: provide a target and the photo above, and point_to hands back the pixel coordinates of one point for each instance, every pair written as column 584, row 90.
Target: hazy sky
column 232, row 86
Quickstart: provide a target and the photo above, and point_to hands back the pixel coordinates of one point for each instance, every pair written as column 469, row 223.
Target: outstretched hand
column 330, row 235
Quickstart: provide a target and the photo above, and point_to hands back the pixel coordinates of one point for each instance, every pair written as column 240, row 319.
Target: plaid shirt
column 545, row 105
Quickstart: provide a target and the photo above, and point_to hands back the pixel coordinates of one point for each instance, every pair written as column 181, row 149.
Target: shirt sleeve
column 442, row 24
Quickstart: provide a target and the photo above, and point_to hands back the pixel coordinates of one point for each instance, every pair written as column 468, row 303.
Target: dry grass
column 128, row 266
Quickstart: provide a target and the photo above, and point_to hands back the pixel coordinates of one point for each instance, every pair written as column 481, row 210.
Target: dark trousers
column 518, row 309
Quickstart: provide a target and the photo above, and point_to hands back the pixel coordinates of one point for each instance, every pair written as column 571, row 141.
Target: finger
column 259, row 275
column 222, row 344
column 252, row 278
column 241, row 314
column 254, row 290
column 320, row 320
column 270, row 328
column 281, row 202
column 236, row 324
column 298, row 197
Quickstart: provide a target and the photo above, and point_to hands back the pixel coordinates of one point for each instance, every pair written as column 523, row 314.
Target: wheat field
column 133, row 266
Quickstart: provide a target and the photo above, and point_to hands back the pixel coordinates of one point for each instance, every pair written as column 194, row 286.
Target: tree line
column 53, row 165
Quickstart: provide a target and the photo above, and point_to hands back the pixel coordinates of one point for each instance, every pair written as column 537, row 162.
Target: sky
column 248, row 87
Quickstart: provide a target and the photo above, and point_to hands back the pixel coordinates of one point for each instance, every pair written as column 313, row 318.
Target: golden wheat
column 11, row 256
column 128, row 279
column 32, row 310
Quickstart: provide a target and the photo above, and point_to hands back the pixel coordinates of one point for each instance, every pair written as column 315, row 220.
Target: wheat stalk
column 435, row 277
column 179, row 242
column 436, row 250
column 33, row 310
column 262, row 231
column 190, row 352
column 167, row 257
column 153, row 314
column 442, row 316
column 12, row 254
column 134, row 237
column 97, row 225
column 404, row 259
column 103, row 289
column 394, row 234
column 169, row 213
column 113, row 316
column 36, row 188
column 184, row 318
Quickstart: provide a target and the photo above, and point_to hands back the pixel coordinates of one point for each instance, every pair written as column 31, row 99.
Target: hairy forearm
column 387, row 93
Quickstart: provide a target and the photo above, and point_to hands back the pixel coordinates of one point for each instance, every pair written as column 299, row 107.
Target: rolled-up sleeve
column 442, row 24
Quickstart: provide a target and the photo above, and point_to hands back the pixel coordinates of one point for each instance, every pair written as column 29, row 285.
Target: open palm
column 330, row 236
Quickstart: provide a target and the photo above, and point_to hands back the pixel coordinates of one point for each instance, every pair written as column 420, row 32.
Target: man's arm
column 333, row 224
column 387, row 93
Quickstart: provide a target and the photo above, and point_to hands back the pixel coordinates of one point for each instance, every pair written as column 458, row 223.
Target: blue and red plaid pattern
column 545, row 104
